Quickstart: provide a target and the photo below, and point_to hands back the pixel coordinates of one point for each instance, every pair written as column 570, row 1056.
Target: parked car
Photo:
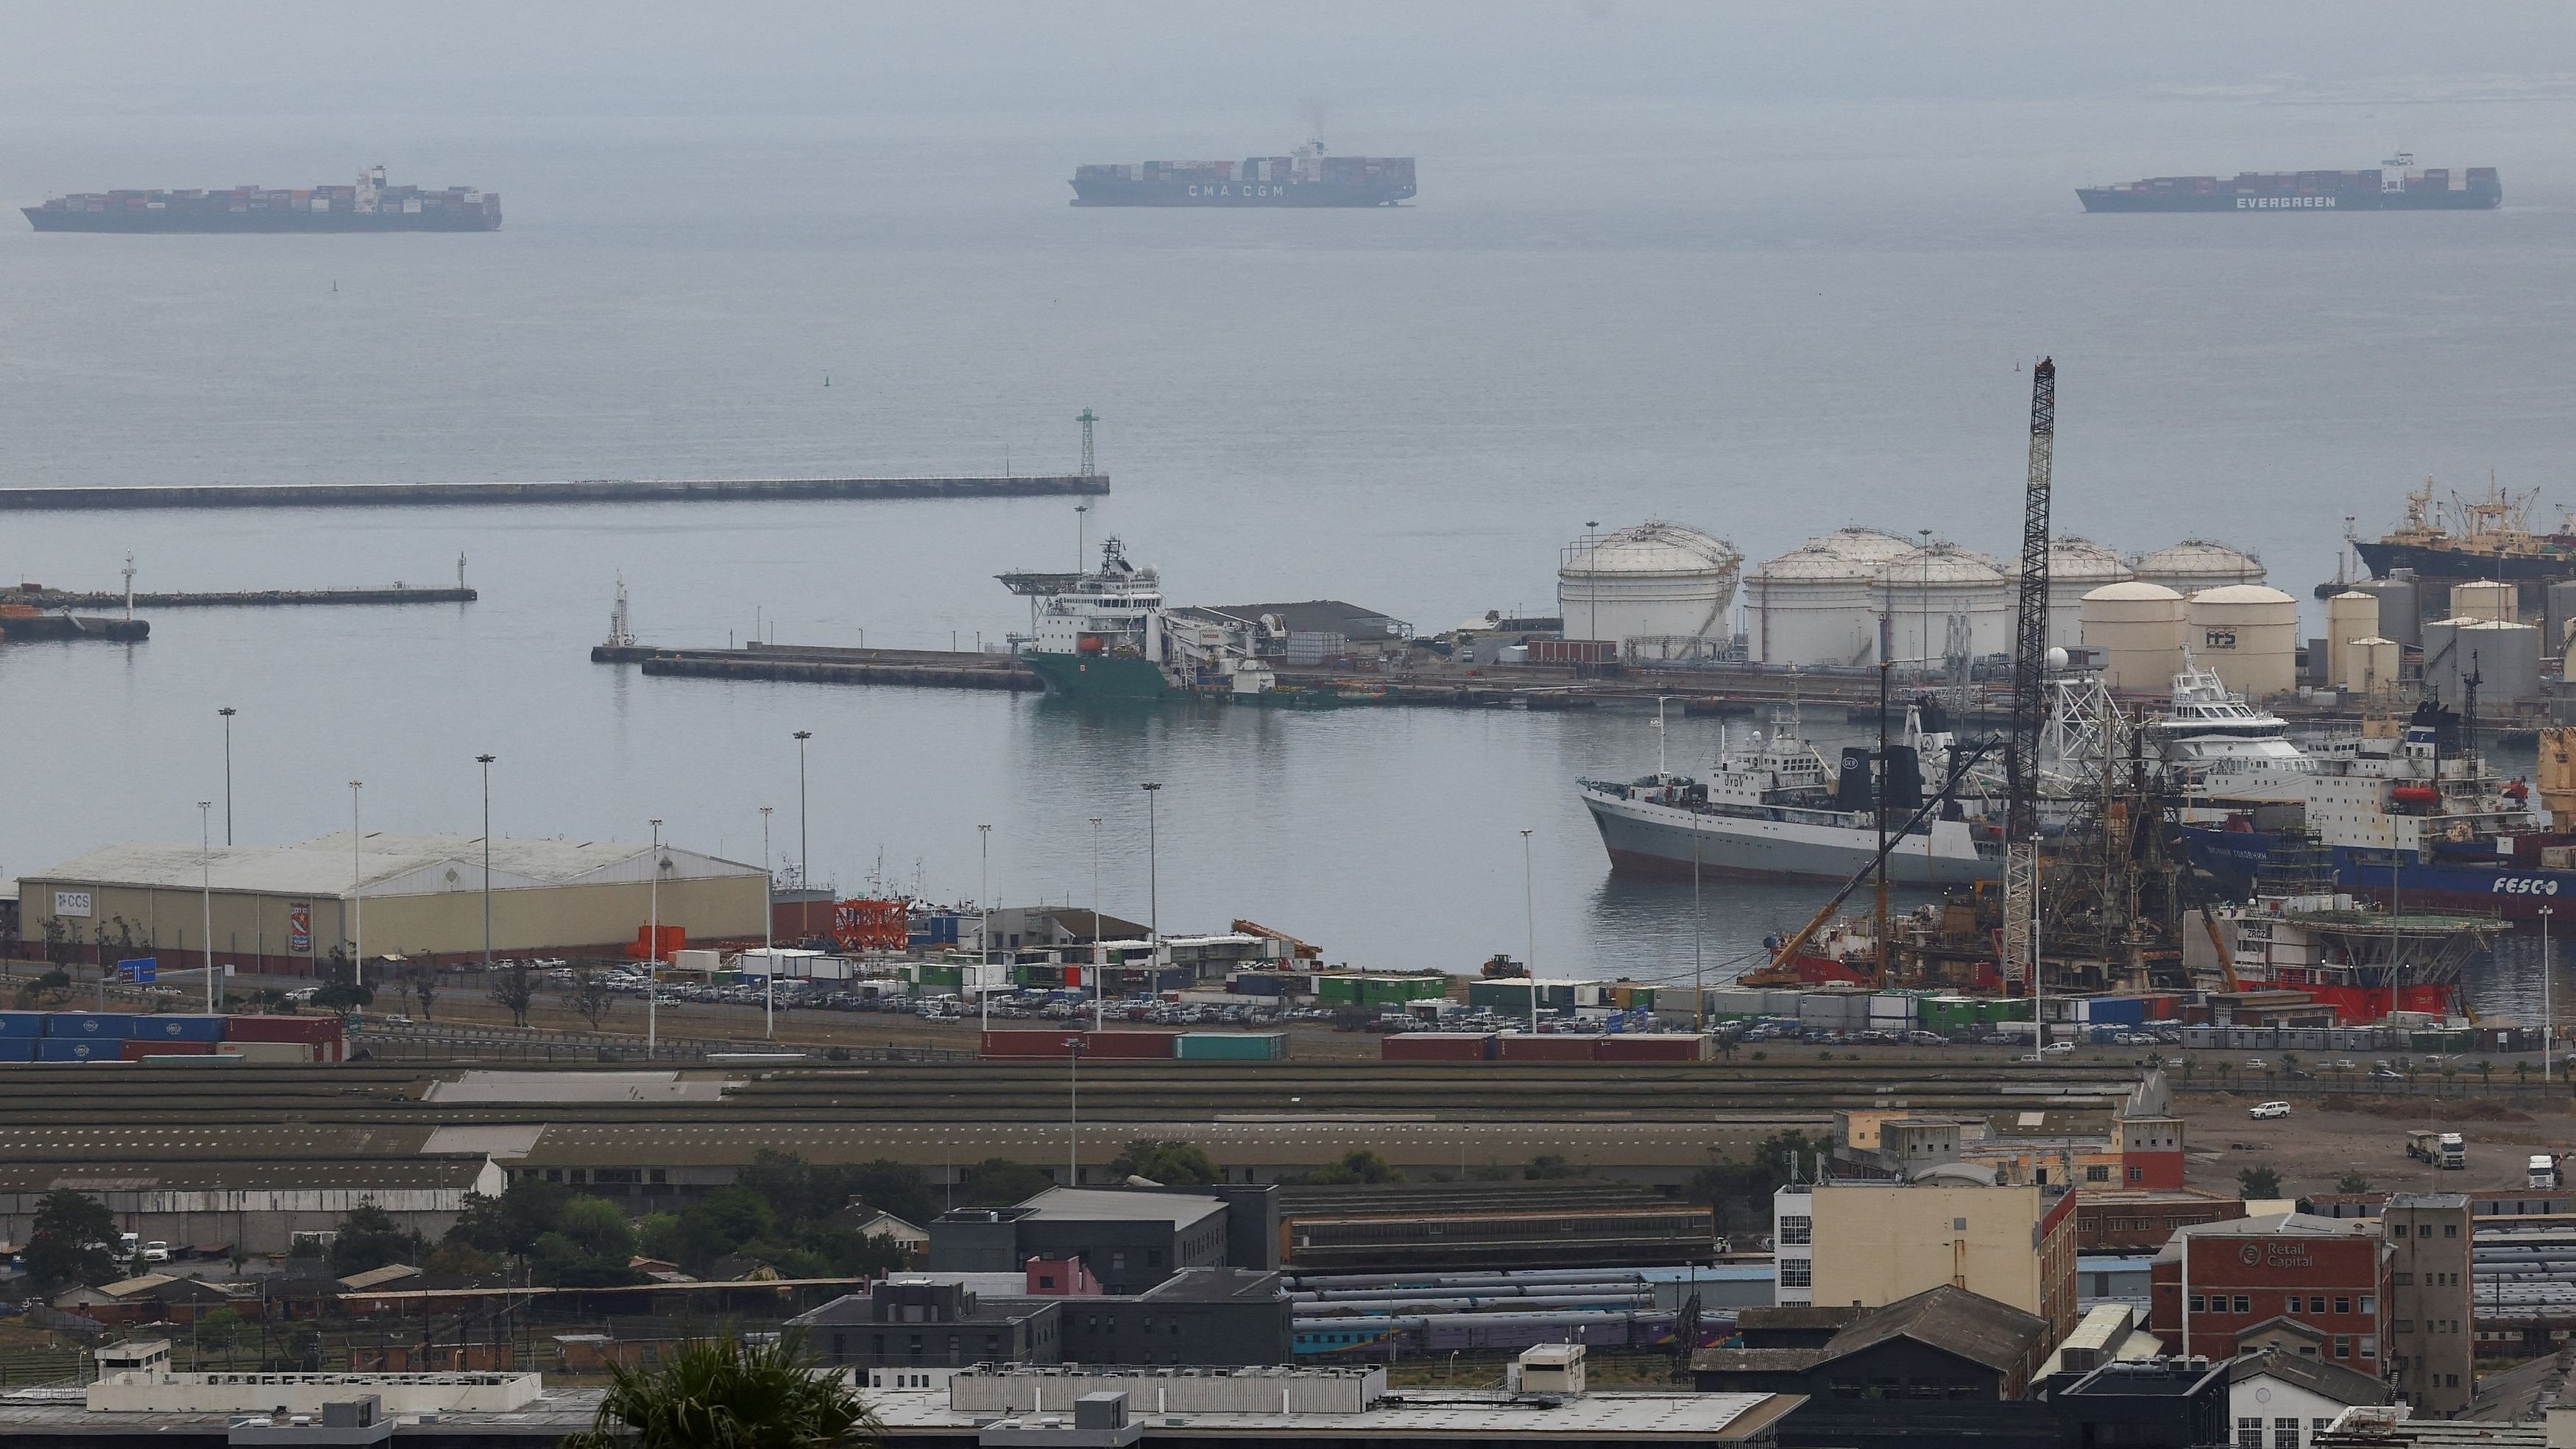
column 1926, row 1038
column 156, row 1251
column 2268, row 1111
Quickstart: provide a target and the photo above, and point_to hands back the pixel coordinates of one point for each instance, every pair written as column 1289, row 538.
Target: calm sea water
column 1584, row 318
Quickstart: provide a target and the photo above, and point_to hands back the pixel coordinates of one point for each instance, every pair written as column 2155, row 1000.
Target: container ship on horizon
column 2396, row 184
column 368, row 205
column 1309, row 178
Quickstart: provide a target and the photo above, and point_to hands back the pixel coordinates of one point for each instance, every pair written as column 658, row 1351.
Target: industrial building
column 2315, row 1285
column 1130, row 1238
column 280, row 909
column 1874, row 1242
column 255, row 1188
column 2432, row 1337
column 1653, row 582
column 1197, row 1316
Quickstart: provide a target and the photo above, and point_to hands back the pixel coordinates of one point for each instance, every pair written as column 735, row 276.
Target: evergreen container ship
column 367, row 205
column 2396, row 184
column 1309, row 178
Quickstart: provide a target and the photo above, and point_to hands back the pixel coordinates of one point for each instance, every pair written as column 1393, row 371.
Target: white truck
column 2543, row 1171
column 2446, row 1150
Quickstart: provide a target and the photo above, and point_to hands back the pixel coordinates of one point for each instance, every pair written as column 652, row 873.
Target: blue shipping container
column 1256, row 984
column 89, row 1025
column 176, row 1028
column 2118, row 1010
column 22, row 1024
column 19, row 1048
column 77, row 1049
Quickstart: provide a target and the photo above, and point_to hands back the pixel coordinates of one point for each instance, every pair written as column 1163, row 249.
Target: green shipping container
column 942, row 976
column 1231, row 1046
column 1337, row 990
column 1396, row 990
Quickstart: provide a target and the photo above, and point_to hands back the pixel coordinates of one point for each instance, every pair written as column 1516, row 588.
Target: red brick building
column 2122, row 1221
column 2218, row 1280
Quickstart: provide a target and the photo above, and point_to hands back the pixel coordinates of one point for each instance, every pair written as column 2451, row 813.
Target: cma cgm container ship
column 2396, row 185
column 368, row 205
column 1309, row 178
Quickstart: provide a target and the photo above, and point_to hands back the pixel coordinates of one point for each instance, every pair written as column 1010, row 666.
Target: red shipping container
column 314, row 1029
column 1131, row 1045
column 1651, row 1046
column 1437, row 1046
column 136, row 1051
column 1524, row 1048
column 1023, row 1042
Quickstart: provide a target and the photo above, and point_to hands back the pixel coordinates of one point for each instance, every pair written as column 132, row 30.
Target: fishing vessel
column 2488, row 537
column 1772, row 809
column 1097, row 634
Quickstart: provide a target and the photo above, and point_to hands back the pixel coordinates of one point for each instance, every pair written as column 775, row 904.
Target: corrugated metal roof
column 386, row 863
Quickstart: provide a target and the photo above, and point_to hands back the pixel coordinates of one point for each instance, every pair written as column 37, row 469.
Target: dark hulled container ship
column 1309, row 178
column 2395, row 185
column 368, row 205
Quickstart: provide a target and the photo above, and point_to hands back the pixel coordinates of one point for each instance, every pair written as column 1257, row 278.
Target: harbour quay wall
column 563, row 490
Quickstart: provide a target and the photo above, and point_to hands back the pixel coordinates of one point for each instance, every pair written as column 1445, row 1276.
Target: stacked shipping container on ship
column 2394, row 186
column 369, row 205
column 1309, row 178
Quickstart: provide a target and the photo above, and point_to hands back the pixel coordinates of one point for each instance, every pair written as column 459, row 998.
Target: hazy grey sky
column 569, row 56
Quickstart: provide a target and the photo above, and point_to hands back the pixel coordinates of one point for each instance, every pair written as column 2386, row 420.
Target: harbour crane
column 2029, row 698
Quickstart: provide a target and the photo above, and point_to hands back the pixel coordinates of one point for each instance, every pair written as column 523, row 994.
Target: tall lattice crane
column 2029, row 697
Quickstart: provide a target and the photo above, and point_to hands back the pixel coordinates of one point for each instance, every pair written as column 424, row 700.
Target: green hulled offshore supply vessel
column 1097, row 634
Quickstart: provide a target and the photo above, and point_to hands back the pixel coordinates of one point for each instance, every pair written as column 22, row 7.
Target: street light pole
column 1529, row 922
column 653, row 951
column 984, row 927
column 1073, row 1112
column 804, row 860
column 357, row 902
column 2548, row 1022
column 206, row 887
column 768, row 943
column 1097, row 1007
column 486, row 762
column 227, row 713
column 1153, row 879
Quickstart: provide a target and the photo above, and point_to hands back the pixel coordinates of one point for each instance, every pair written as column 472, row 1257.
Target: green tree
column 1548, row 1166
column 1359, row 1165
column 420, row 978
column 658, row 1236
column 2521, row 1074
column 218, row 1332
column 370, row 1238
column 894, row 1187
column 1173, row 1164
column 2352, row 1182
column 2258, row 1182
column 728, row 1394
column 1740, row 1191
column 598, row 1228
column 1000, row 1182
column 70, row 1241
column 2486, row 1075
column 454, row 1258
column 514, row 989
column 343, row 996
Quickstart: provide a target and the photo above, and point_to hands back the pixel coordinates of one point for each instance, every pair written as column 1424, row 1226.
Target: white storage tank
column 2076, row 567
column 2483, row 599
column 1656, row 580
column 2249, row 634
column 2350, row 615
column 1942, row 596
column 2504, row 657
column 1818, row 603
column 2196, row 564
column 2138, row 626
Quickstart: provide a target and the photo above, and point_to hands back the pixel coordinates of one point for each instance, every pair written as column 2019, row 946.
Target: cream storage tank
column 2196, row 564
column 2249, row 634
column 2138, row 626
column 2351, row 616
column 2484, row 599
column 1656, row 580
column 1818, row 603
column 1944, row 600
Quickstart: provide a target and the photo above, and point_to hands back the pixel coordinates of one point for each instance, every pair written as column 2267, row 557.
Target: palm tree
column 725, row 1394
column 2486, row 1075
column 2521, row 1074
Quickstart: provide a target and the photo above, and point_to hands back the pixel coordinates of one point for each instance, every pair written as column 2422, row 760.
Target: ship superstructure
column 369, row 204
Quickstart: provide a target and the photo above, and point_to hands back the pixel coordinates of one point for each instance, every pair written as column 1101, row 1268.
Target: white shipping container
column 697, row 960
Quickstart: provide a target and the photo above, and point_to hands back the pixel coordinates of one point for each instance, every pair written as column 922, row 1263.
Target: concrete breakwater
column 239, row 598
column 814, row 665
column 566, row 490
